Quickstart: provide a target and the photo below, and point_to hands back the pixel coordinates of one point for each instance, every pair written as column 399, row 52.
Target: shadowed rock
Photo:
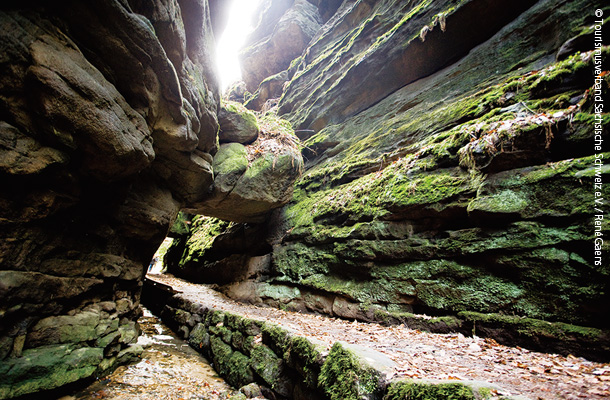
column 273, row 51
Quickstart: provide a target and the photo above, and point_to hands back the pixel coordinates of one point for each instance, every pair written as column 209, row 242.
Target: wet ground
column 169, row 369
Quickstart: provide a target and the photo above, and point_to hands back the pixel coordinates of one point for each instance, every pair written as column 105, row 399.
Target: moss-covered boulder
column 47, row 367
column 271, row 369
column 252, row 180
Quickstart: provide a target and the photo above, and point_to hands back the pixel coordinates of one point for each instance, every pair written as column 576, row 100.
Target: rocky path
column 169, row 370
column 419, row 354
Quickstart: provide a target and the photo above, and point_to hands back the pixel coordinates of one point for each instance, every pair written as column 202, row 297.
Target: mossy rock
column 306, row 358
column 344, row 376
column 560, row 189
column 230, row 163
column 221, row 354
column 250, row 327
column 422, row 391
column 252, row 180
column 181, row 225
column 271, row 368
column 199, row 338
column 47, row 367
column 204, row 231
column 445, row 390
column 233, row 321
column 215, row 317
column 239, row 371
column 276, row 337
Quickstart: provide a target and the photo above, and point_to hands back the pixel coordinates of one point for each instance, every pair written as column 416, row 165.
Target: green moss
column 275, row 125
column 181, row 225
column 233, row 321
column 250, row 327
column 231, row 160
column 232, row 365
column 276, row 337
column 306, row 358
column 560, row 189
column 222, row 332
column 477, row 107
column 535, row 328
column 486, row 393
column 221, row 355
column 267, row 365
column 238, row 108
column 47, row 367
column 203, row 233
column 411, row 390
column 199, row 338
column 345, row 377
column 239, row 372
column 376, row 195
column 215, row 317
column 298, row 261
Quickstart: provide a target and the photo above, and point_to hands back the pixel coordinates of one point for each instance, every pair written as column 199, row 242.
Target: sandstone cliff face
column 450, row 171
column 283, row 31
column 108, row 127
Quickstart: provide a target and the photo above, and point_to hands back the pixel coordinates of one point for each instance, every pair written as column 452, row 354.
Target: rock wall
column 108, row 127
column 108, row 116
column 283, row 30
column 450, row 169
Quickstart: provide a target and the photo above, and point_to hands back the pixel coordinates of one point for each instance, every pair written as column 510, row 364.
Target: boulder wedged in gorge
column 237, row 124
column 252, row 179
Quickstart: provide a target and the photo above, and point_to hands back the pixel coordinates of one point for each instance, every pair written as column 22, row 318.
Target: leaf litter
column 424, row 355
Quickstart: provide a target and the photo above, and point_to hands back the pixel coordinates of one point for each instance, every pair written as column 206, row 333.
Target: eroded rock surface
column 271, row 52
column 108, row 127
column 448, row 170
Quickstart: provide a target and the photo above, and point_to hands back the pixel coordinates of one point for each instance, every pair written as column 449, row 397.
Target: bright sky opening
column 240, row 24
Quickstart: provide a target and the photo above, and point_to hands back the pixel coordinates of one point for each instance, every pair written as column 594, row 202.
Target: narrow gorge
column 440, row 166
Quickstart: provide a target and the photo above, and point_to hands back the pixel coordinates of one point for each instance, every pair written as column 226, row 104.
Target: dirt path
column 434, row 356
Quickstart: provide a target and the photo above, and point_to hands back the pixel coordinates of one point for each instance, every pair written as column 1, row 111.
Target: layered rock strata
column 108, row 127
column 450, row 170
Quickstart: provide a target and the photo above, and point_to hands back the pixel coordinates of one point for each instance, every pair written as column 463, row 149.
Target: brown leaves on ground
column 427, row 355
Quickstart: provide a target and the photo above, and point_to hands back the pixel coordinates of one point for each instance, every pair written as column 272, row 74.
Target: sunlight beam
column 240, row 24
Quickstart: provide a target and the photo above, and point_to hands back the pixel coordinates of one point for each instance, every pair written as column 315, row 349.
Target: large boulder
column 254, row 179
